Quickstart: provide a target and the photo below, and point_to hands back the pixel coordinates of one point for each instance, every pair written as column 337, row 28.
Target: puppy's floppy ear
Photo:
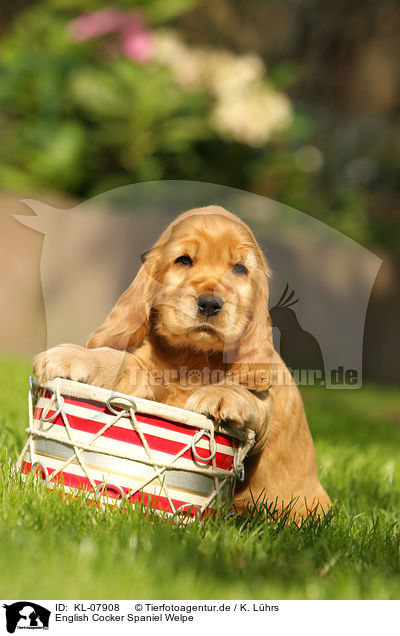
column 250, row 364
column 129, row 321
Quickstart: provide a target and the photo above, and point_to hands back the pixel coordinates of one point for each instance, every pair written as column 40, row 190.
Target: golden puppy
column 193, row 330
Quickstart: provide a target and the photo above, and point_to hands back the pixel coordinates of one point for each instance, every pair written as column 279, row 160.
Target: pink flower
column 92, row 25
column 135, row 40
column 137, row 44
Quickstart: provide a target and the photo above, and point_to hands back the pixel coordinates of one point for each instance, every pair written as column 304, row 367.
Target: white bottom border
column 170, row 617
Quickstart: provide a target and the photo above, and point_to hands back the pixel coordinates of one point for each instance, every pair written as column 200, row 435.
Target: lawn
column 53, row 549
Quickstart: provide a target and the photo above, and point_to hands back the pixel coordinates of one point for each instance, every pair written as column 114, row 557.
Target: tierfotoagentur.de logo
column 26, row 615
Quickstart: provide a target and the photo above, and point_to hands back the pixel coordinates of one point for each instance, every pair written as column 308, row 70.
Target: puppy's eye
column 240, row 269
column 184, row 260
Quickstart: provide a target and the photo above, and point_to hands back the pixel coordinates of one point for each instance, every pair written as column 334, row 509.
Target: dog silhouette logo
column 299, row 349
column 26, row 615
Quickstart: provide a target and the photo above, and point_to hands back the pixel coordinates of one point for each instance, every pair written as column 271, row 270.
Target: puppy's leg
column 105, row 367
column 285, row 471
column 235, row 406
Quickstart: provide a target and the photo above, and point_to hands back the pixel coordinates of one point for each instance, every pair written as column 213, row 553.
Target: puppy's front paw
column 224, row 405
column 66, row 361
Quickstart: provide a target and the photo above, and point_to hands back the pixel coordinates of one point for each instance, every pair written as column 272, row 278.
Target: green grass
column 51, row 548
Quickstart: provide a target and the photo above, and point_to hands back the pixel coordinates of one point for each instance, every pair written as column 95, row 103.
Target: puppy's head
column 211, row 271
column 203, row 285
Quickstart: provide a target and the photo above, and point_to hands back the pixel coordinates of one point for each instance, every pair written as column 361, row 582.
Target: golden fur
column 232, row 372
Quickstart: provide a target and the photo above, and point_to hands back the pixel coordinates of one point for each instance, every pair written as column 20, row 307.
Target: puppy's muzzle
column 209, row 305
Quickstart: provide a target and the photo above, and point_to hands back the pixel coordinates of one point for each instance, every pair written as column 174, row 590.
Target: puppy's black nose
column 209, row 305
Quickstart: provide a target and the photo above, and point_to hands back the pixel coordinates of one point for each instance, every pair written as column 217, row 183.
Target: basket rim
column 81, row 390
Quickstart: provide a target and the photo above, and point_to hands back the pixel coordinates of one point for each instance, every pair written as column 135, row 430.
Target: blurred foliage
column 76, row 120
column 81, row 118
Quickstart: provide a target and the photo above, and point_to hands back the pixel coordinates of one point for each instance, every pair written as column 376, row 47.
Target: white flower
column 247, row 108
column 253, row 117
column 186, row 64
column 227, row 74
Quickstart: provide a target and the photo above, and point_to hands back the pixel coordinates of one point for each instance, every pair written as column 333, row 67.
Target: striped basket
column 127, row 450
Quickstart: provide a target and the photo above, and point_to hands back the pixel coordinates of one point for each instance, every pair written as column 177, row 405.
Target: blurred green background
column 297, row 100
